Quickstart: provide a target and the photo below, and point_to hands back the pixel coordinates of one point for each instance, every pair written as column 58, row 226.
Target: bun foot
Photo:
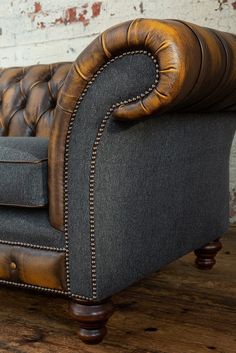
column 206, row 255
column 92, row 319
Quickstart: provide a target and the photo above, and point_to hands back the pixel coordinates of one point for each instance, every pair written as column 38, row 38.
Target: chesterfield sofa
column 117, row 164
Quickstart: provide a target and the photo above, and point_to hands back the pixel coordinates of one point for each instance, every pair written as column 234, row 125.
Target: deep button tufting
column 53, row 104
column 38, row 267
column 26, row 97
column 13, row 266
column 23, row 105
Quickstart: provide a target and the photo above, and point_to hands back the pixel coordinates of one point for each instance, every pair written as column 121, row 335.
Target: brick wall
column 46, row 31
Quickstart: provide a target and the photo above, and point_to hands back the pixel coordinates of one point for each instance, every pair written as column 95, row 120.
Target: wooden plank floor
column 179, row 310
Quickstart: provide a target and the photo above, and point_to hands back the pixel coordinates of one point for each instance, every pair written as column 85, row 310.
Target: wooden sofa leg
column 206, row 255
column 92, row 319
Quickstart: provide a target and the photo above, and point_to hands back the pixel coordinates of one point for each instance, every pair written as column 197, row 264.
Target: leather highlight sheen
column 37, row 267
column 28, row 97
column 196, row 73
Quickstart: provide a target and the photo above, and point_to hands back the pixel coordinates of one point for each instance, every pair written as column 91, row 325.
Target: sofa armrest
column 195, row 73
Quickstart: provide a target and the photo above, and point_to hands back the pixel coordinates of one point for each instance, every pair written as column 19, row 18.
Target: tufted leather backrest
column 28, row 96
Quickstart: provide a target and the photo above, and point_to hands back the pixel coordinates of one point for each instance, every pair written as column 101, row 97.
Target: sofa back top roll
column 28, row 97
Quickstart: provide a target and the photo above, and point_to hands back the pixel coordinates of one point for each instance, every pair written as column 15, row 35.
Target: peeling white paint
column 25, row 41
column 44, row 31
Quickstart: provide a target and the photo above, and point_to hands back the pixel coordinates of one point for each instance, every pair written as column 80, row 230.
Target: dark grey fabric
column 23, row 171
column 161, row 192
column 161, row 185
column 126, row 77
column 29, row 225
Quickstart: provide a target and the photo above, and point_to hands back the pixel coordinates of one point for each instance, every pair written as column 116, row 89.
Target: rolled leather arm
column 196, row 72
column 196, row 66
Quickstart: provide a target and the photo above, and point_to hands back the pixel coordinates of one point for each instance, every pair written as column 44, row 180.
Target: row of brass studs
column 32, row 246
column 92, row 170
column 91, row 190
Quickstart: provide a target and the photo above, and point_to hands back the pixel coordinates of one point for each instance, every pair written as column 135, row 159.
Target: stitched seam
column 92, row 169
column 25, row 162
column 201, row 54
column 24, row 205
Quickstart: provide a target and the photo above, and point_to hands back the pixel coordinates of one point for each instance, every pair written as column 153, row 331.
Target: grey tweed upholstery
column 23, row 171
column 161, row 185
column 160, row 191
column 29, row 225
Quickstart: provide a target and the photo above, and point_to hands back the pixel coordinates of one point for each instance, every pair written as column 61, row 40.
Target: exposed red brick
column 71, row 15
column 82, row 19
column 234, row 5
column 37, row 7
column 59, row 21
column 96, row 9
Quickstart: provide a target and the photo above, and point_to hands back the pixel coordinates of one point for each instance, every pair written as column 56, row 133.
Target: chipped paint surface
column 221, row 4
column 37, row 31
column 37, row 7
column 141, row 7
column 45, row 31
column 71, row 15
column 96, row 9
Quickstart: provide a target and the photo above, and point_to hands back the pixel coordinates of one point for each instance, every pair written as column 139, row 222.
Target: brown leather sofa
column 128, row 167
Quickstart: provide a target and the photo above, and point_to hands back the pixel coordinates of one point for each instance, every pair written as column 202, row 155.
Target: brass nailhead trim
column 91, row 190
column 32, row 246
column 93, row 169
column 30, row 286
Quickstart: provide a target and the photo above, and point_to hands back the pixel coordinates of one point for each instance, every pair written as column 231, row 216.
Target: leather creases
column 196, row 73
column 36, row 267
column 28, row 97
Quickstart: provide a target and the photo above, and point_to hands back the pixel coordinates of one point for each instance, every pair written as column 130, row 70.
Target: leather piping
column 25, row 162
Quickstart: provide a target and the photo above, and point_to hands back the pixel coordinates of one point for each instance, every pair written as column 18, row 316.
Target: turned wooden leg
column 206, row 255
column 92, row 319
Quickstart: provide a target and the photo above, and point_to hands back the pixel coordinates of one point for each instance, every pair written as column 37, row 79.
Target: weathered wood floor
column 179, row 310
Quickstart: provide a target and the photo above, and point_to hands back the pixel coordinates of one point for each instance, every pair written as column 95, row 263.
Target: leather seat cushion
column 23, row 171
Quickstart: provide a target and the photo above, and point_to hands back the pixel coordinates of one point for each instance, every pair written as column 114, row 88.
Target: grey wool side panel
column 161, row 185
column 124, row 78
column 161, row 191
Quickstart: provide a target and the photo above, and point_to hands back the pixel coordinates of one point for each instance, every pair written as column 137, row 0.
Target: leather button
column 13, row 266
